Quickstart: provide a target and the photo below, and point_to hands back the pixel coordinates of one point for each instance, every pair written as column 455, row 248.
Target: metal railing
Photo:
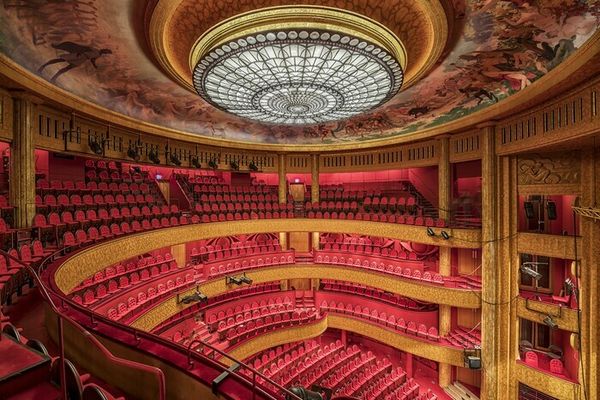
column 61, row 343
column 138, row 335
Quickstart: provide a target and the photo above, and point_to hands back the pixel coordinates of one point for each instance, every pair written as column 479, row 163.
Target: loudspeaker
column 528, row 205
column 551, row 209
column 473, row 362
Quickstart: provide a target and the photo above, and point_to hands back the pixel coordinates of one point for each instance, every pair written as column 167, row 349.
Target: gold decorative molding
column 417, row 290
column 95, row 258
column 558, row 168
column 535, row 311
column 275, row 338
column 556, row 246
column 547, row 383
column 421, row 348
column 298, row 17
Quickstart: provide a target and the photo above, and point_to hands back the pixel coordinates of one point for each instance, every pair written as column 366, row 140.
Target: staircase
column 458, row 391
column 429, row 210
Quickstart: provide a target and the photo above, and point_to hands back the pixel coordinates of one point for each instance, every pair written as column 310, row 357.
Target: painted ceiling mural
column 92, row 48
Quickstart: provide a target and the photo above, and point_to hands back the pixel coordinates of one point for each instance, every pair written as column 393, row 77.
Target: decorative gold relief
column 420, row 291
column 555, row 246
column 89, row 261
column 275, row 338
column 549, row 169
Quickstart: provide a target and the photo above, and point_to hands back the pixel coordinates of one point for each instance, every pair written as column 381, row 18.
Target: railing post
column 61, row 348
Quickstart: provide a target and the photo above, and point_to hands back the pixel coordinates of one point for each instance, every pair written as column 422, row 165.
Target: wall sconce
column 229, row 280
column 445, row 235
column 430, row 232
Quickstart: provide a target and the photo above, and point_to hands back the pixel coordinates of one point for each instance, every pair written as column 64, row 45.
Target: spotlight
column 304, row 394
column 213, row 164
column 549, row 321
column 174, row 159
column 153, row 156
column 527, row 270
column 195, row 161
column 95, row 146
column 252, row 166
column 133, row 154
column 195, row 297
column 445, row 235
column 245, row 279
column 472, row 358
column 430, row 232
column 234, row 165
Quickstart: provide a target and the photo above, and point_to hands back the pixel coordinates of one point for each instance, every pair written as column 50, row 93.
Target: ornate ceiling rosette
column 298, row 65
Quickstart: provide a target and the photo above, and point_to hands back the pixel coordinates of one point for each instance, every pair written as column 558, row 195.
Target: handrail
column 138, row 334
column 62, row 317
column 242, row 364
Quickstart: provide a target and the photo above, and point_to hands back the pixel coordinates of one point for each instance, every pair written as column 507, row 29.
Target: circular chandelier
column 295, row 66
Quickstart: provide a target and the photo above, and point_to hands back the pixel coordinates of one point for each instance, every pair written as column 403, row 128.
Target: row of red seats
column 214, row 318
column 80, row 187
column 381, row 217
column 223, row 189
column 414, row 271
column 235, row 198
column 260, row 325
column 342, row 195
column 249, row 262
column 368, row 249
column 102, row 287
column 223, row 255
column 400, row 204
column 317, row 367
column 13, row 276
column 374, row 384
column 555, row 365
column 347, row 371
column 235, row 294
column 376, row 294
column 221, row 207
column 191, row 179
column 460, row 337
column 133, row 303
column 75, row 201
column 270, row 314
column 285, row 354
column 115, row 176
column 236, row 245
column 408, row 391
column 389, row 321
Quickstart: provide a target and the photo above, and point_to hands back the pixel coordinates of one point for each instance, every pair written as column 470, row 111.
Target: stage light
column 445, row 235
column 234, row 280
column 174, row 159
column 95, row 146
column 195, row 161
column 234, row 165
column 133, row 154
column 153, row 156
column 549, row 321
column 304, row 394
column 252, row 166
column 195, row 297
column 430, row 232
column 245, row 279
column 527, row 270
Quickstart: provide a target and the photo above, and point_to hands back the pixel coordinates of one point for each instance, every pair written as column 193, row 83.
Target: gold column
column 281, row 164
column 496, row 289
column 444, row 177
column 179, row 254
column 445, row 265
column 588, row 277
column 490, row 386
column 314, row 192
column 22, row 159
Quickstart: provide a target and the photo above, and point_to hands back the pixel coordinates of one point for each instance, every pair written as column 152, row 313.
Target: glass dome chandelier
column 298, row 76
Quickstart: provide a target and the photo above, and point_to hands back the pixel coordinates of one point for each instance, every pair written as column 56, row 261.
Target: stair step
column 470, row 395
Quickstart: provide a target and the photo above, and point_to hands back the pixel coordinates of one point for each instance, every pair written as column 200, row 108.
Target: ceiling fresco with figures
column 474, row 54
